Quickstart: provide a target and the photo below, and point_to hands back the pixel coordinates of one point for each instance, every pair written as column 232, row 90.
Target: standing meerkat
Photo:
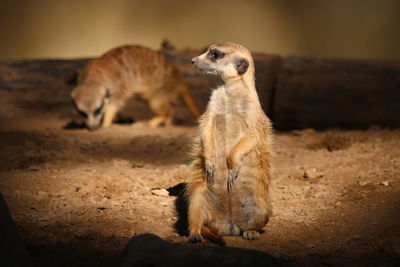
column 106, row 83
column 228, row 193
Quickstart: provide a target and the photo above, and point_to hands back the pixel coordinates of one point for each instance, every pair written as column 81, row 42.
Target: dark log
column 39, row 85
column 28, row 74
column 295, row 92
column 326, row 93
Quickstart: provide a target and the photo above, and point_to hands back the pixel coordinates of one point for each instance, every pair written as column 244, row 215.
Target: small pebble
column 160, row 192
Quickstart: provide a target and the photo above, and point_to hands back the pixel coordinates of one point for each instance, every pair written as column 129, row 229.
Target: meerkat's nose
column 193, row 60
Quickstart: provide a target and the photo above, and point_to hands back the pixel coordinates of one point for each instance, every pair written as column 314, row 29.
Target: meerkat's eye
column 98, row 110
column 215, row 54
column 83, row 114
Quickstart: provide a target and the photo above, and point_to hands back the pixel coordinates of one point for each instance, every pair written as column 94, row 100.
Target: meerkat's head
column 229, row 60
column 90, row 100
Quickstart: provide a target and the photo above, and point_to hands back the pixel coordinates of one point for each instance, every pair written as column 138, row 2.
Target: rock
column 12, row 248
column 297, row 172
column 305, row 173
column 150, row 250
column 312, row 173
column 160, row 192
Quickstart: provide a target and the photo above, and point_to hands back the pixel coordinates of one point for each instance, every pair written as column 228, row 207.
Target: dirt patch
column 332, row 142
column 77, row 196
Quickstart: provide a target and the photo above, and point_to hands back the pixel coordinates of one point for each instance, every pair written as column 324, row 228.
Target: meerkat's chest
column 229, row 117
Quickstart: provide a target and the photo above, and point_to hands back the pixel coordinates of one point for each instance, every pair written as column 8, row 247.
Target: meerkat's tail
column 190, row 102
column 216, row 239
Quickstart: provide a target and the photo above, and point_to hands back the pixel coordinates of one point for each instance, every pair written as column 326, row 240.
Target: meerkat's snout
column 202, row 63
column 195, row 63
column 93, row 122
column 95, row 118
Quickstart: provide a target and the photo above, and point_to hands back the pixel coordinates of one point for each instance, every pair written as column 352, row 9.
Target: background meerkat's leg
column 109, row 115
column 241, row 148
column 163, row 112
column 189, row 101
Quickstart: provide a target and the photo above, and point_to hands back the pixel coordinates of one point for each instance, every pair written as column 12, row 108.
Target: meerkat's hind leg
column 251, row 235
column 195, row 238
column 196, row 216
column 160, row 120
column 163, row 113
column 257, row 219
column 224, row 228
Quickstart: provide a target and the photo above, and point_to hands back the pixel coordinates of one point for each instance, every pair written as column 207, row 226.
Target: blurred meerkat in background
column 228, row 192
column 106, row 83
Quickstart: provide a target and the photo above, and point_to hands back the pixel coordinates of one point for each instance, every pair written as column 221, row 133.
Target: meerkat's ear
column 242, row 65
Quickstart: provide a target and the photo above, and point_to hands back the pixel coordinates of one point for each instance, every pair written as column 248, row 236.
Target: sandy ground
column 78, row 196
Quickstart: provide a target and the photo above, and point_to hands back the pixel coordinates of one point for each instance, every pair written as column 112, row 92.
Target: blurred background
column 82, row 28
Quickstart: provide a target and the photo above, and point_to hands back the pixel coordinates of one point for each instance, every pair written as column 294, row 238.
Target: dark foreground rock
column 150, row 250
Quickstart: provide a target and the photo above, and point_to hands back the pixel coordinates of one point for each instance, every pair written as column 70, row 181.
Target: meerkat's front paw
column 232, row 175
column 209, row 172
column 195, row 238
column 251, row 235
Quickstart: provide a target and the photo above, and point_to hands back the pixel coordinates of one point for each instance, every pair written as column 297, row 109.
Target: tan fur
column 106, row 83
column 229, row 187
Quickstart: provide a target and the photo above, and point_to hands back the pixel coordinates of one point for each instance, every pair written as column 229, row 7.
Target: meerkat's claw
column 195, row 238
column 232, row 175
column 209, row 172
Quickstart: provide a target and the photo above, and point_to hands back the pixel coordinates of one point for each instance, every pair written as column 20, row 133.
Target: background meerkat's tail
column 216, row 239
column 190, row 102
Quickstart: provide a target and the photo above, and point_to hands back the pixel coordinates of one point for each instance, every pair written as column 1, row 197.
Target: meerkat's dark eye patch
column 83, row 114
column 98, row 110
column 215, row 54
column 242, row 65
